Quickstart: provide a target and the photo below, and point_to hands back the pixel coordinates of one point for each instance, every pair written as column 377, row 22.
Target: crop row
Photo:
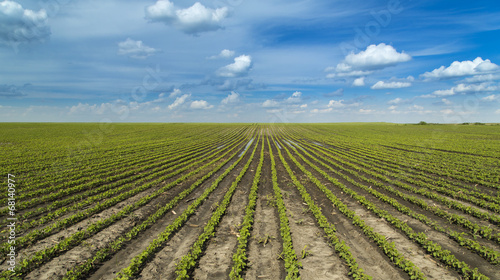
column 433, row 161
column 139, row 261
column 388, row 248
column 435, row 250
column 146, row 182
column 289, row 256
column 80, row 271
column 188, row 262
column 456, row 189
column 108, row 154
column 489, row 254
column 441, row 187
column 484, row 231
column 240, row 258
column 116, row 187
column 42, row 256
column 97, row 186
column 340, row 247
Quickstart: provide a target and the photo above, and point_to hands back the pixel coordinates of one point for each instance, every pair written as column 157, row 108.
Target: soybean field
column 249, row 201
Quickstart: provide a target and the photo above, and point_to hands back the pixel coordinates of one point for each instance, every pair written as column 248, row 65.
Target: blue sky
column 250, row 61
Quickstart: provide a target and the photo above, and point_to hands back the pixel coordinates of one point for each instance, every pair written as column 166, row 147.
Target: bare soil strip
column 417, row 209
column 164, row 263
column 217, row 260
column 319, row 260
column 460, row 252
column 265, row 244
column 376, row 263
column 85, row 250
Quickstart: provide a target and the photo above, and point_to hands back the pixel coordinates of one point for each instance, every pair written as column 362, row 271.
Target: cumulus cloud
column 11, row 91
column 336, row 104
column 200, row 104
column 462, row 68
column 465, row 88
column 135, row 49
column 398, row 101
column 233, row 97
column 416, row 107
column 483, row 78
column 446, row 101
column 321, row 110
column 491, row 98
column 270, row 103
column 240, row 67
column 359, row 82
column 295, row 98
column 225, row 53
column 375, row 57
column 391, row 85
column 174, row 93
column 179, row 101
column 19, row 25
column 193, row 20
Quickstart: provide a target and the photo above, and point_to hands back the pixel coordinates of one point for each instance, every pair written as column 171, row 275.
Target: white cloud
column 225, row 53
column 179, row 101
column 447, row 111
column 19, row 25
column 192, row 20
column 359, row 82
column 463, row 68
column 427, row 96
column 464, row 88
column 497, row 111
column 483, row 78
column 392, row 85
column 86, row 108
column 375, row 57
column 446, row 101
column 490, row 98
column 349, row 74
column 443, row 92
column 399, row 101
column 174, row 93
column 303, row 106
column 393, row 107
column 366, row 111
column 321, row 110
column 233, row 97
column 135, row 49
column 240, row 67
column 200, row 104
column 270, row 103
column 336, row 104
column 416, row 107
column 295, row 98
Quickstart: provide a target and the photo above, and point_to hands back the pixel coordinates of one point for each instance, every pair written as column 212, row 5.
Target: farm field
column 250, row 201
